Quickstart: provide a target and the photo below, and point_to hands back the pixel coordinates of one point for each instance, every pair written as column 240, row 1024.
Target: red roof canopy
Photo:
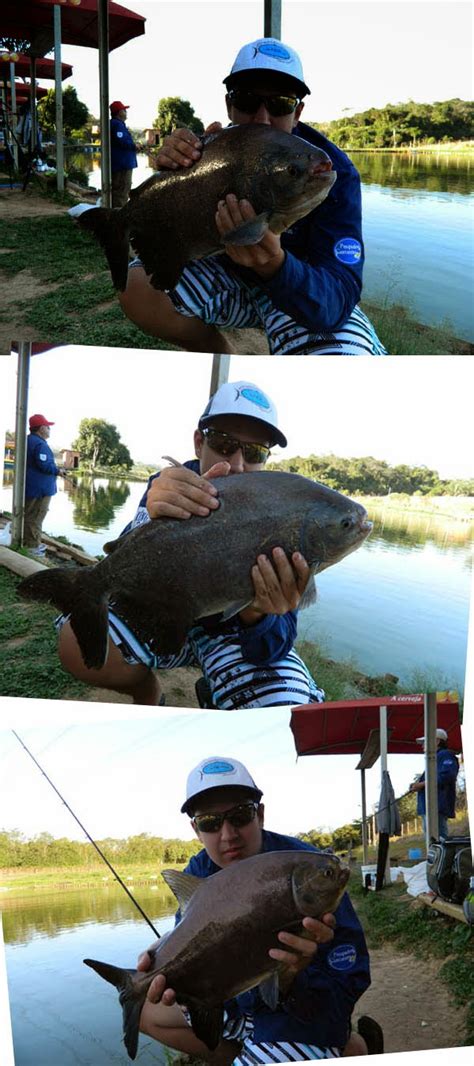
column 32, row 20
column 343, row 728
column 44, row 68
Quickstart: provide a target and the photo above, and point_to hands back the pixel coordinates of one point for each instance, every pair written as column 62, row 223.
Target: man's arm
column 46, row 465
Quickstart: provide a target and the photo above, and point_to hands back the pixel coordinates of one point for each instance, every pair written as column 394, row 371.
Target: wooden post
column 58, row 100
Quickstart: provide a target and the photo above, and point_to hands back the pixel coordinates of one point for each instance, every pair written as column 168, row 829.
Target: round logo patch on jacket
column 348, row 250
column 343, row 957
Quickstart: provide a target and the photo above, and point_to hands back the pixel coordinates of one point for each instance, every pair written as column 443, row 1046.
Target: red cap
column 36, row 421
column 118, row 106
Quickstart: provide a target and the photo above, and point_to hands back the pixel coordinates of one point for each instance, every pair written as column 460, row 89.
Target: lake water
column 417, row 212
column 63, row 1014
column 398, row 604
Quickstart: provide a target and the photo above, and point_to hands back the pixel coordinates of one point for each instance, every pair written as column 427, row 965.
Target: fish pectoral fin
column 131, row 1000
column 270, row 991
column 309, row 595
column 182, row 885
column 250, row 232
column 207, row 1024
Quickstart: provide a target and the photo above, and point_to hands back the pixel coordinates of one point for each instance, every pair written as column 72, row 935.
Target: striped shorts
column 234, row 682
column 252, row 1054
column 285, row 1051
column 208, row 291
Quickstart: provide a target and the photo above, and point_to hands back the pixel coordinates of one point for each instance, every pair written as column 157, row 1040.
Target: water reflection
column 50, row 913
column 95, row 501
column 419, row 171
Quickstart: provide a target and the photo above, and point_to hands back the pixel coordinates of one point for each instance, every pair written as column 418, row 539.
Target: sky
column 403, row 410
column 355, row 55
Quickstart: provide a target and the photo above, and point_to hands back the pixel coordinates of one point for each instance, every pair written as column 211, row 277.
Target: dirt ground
column 14, row 203
column 411, row 1003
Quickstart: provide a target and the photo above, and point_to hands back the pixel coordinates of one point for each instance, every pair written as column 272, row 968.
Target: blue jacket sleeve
column 120, row 136
column 47, row 465
column 447, row 766
column 270, row 639
column 315, row 287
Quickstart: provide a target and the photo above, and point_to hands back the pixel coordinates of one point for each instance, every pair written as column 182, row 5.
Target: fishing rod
column 84, row 830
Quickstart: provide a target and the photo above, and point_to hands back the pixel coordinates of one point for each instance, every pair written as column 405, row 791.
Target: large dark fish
column 170, row 218
column 168, row 574
column 229, row 923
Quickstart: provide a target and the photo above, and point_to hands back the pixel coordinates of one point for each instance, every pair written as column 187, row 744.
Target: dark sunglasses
column 238, row 816
column 249, row 102
column 226, row 446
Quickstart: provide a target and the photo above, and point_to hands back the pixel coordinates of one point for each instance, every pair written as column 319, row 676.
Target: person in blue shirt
column 447, row 768
column 323, row 972
column 40, row 484
column 123, row 154
column 248, row 661
column 301, row 287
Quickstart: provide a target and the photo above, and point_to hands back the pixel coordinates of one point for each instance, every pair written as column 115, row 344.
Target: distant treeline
column 373, row 477
column 397, row 125
column 45, row 850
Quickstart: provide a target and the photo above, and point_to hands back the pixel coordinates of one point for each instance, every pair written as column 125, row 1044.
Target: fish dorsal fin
column 183, row 886
column 270, row 990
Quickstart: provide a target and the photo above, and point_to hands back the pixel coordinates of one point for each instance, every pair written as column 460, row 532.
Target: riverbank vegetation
column 365, row 475
column 400, row 125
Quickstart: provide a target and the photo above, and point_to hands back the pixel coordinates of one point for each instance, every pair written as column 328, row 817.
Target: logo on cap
column 276, row 51
column 218, row 768
column 348, row 250
column 254, row 396
column 343, row 957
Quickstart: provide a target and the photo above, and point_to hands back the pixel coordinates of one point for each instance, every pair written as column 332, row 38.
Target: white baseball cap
column 218, row 771
column 243, row 398
column 441, row 734
column 268, row 54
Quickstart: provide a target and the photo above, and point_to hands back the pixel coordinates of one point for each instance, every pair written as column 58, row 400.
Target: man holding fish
column 248, row 660
column 301, row 286
column 323, row 967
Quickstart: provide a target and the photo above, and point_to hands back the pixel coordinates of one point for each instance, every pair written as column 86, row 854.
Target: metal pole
column 431, row 771
column 14, row 114
column 58, row 100
column 272, row 19
column 383, row 767
column 365, row 853
column 219, row 372
column 105, row 167
column 34, row 126
column 18, row 505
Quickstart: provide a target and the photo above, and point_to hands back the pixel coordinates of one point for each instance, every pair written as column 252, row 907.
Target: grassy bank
column 24, row 881
column 407, row 925
column 64, row 294
column 449, row 508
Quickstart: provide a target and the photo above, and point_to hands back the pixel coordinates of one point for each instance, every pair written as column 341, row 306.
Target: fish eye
column 293, row 171
column 347, row 523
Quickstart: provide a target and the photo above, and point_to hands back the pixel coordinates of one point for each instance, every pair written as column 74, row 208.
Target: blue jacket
column 447, row 767
column 266, row 642
column 320, row 281
column 319, row 1005
column 122, row 148
column 41, row 469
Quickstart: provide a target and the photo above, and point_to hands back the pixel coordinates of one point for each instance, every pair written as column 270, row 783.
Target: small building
column 9, row 460
column 69, row 459
column 152, row 137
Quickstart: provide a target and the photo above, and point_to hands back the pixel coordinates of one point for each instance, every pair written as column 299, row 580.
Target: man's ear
column 198, row 443
column 297, row 114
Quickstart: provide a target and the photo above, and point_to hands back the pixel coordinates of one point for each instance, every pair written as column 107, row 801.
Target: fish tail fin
column 80, row 596
column 131, row 999
column 111, row 229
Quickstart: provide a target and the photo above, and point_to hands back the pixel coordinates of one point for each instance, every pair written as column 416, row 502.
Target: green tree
column 173, row 112
column 99, row 442
column 75, row 113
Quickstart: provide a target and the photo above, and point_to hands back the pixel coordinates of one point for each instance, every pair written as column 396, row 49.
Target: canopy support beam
column 58, row 95
column 431, row 772
column 105, row 164
column 272, row 19
column 18, row 504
